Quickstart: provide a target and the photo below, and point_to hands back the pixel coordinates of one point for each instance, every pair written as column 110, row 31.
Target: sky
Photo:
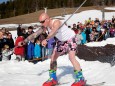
column 3, row 1
column 13, row 73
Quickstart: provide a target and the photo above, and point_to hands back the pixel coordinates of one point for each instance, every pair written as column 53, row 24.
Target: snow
column 9, row 25
column 16, row 25
column 13, row 73
column 85, row 15
column 110, row 8
column 102, row 43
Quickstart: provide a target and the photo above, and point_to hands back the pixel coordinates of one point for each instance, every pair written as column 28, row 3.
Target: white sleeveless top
column 64, row 33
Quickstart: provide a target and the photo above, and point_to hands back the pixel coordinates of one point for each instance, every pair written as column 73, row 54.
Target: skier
column 66, row 42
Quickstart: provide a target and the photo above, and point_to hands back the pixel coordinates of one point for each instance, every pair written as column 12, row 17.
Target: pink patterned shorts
column 69, row 45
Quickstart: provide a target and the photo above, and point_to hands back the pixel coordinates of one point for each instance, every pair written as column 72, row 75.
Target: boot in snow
column 79, row 81
column 52, row 81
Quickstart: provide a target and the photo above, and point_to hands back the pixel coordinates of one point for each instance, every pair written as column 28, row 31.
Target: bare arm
column 34, row 35
column 30, row 37
column 55, row 27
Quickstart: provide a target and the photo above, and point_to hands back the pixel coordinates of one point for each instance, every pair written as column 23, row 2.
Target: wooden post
column 103, row 11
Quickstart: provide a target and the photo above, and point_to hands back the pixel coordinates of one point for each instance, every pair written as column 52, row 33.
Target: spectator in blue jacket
column 37, row 49
column 83, row 41
column 30, row 50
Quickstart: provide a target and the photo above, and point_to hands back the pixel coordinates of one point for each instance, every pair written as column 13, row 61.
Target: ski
column 62, row 83
column 35, row 60
column 96, row 84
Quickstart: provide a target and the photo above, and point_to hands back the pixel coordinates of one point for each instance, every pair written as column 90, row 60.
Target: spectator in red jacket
column 19, row 50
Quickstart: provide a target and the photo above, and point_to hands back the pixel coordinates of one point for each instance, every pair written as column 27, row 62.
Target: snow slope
column 14, row 73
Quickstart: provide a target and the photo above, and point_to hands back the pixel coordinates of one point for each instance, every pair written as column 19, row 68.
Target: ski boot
column 52, row 81
column 79, row 81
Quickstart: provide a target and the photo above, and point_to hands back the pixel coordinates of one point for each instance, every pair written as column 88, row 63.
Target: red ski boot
column 80, row 83
column 50, row 83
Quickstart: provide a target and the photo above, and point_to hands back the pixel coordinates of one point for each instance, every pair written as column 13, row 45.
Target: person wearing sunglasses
column 66, row 43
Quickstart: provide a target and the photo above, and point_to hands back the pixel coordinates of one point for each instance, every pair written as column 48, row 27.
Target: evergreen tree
column 20, row 7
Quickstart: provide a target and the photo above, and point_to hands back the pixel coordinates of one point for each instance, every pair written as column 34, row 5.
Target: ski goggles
column 42, row 21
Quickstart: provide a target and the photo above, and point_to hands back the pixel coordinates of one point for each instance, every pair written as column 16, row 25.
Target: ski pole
column 99, row 37
column 74, row 13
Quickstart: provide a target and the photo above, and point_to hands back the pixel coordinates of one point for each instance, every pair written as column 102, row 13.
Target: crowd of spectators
column 92, row 30
column 6, row 44
column 30, row 51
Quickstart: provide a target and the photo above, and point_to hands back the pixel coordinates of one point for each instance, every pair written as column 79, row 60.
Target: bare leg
column 79, row 79
column 52, row 81
column 74, row 62
column 53, row 63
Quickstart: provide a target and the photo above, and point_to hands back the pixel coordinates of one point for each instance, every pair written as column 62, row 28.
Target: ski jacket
column 79, row 38
column 112, row 32
column 83, row 41
column 6, row 54
column 19, row 50
column 37, row 51
column 30, row 50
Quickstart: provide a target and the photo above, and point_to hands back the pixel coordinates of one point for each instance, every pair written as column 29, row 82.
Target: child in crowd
column 10, row 42
column 94, row 34
column 79, row 37
column 83, row 41
column 37, row 49
column 41, row 37
column 75, row 28
column 30, row 50
column 6, row 52
column 112, row 31
column 50, row 47
column 19, row 49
